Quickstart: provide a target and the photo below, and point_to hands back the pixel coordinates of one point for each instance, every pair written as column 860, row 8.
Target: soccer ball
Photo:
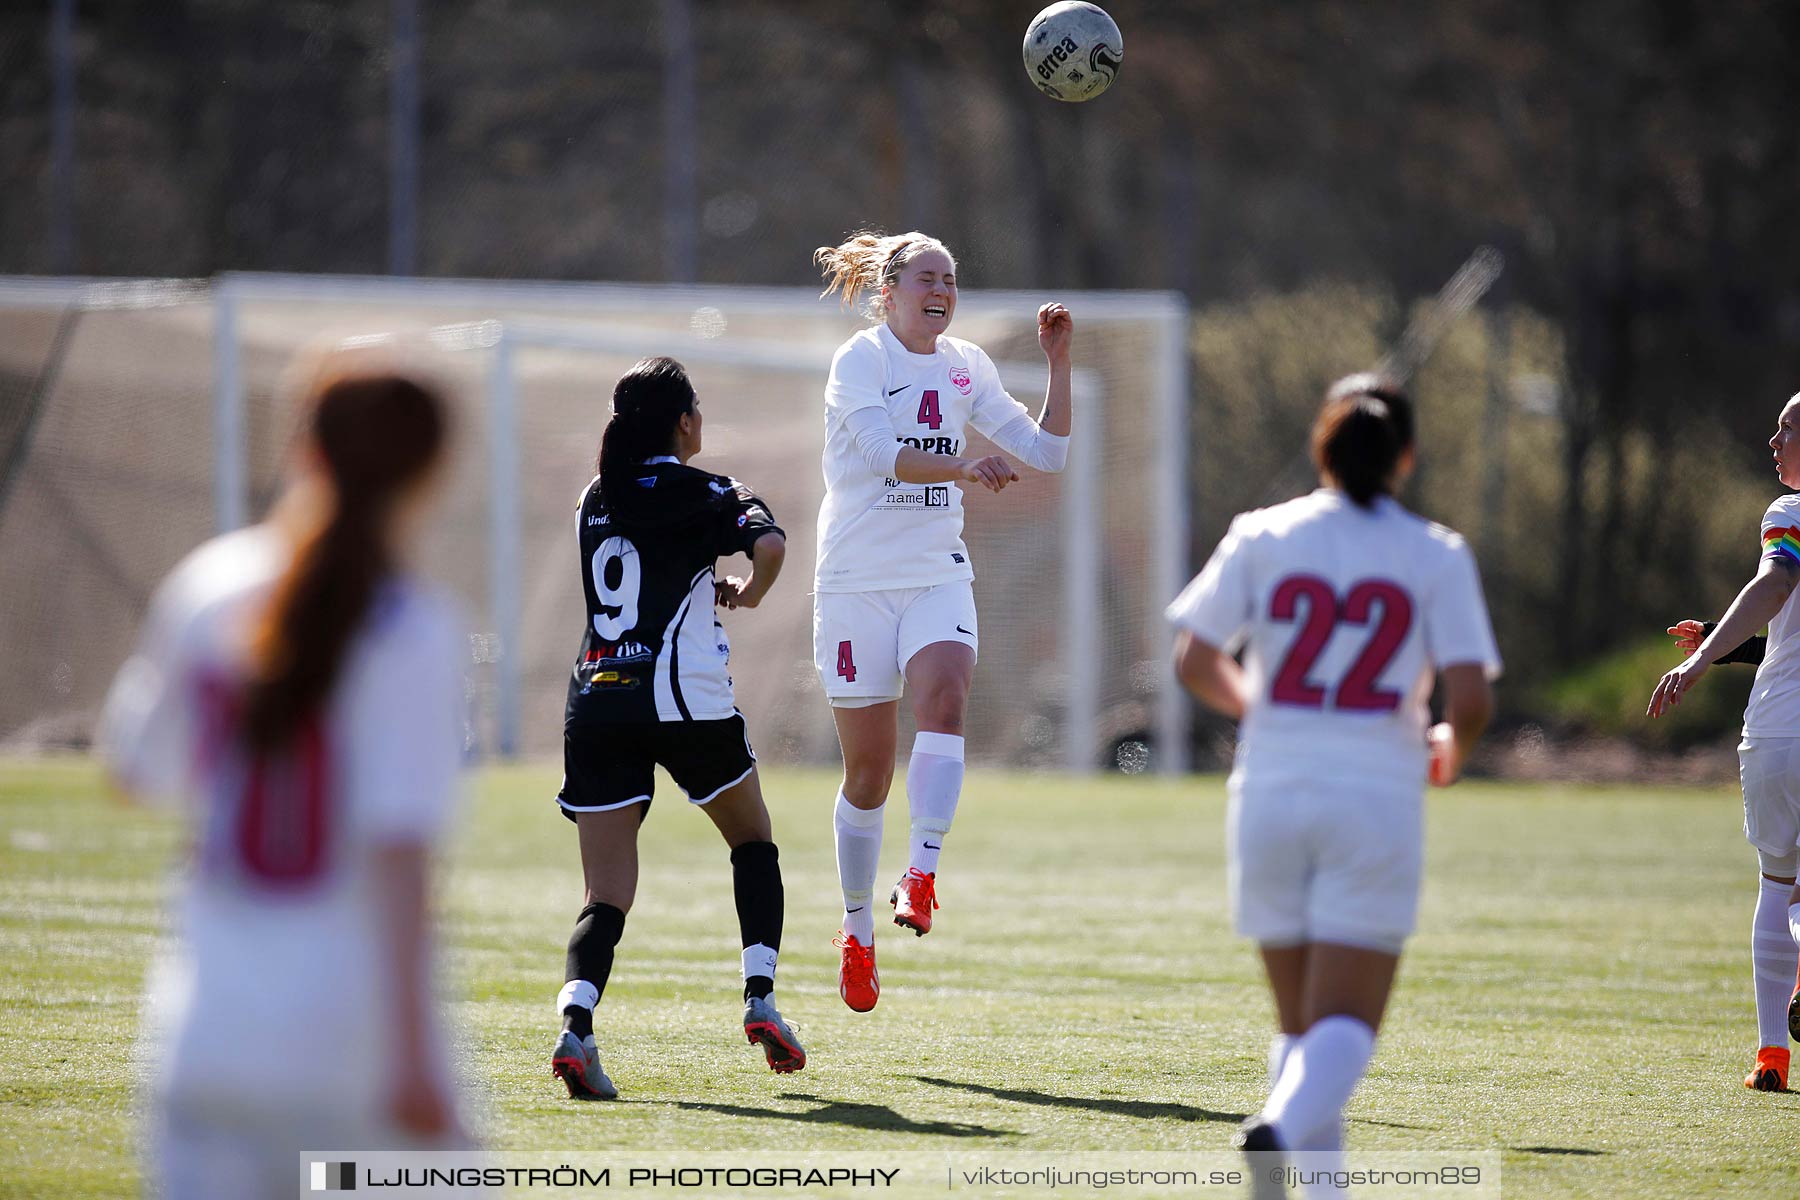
column 1073, row 51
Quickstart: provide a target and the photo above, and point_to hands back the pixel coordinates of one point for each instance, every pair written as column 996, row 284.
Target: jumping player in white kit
column 1769, row 756
column 1347, row 607
column 894, row 609
column 300, row 694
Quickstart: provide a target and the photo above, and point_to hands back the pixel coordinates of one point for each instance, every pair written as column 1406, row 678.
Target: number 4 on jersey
column 846, row 664
column 930, row 415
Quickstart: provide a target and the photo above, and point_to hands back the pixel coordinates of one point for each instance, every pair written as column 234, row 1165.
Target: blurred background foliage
column 1306, row 173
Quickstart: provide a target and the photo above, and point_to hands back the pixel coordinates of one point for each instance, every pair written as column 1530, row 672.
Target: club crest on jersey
column 960, row 377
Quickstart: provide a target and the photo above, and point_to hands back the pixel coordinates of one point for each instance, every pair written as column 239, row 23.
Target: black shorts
column 608, row 765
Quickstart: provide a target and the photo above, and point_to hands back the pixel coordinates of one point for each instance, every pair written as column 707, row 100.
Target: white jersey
column 1774, row 708
column 278, row 913
column 1347, row 614
column 877, row 533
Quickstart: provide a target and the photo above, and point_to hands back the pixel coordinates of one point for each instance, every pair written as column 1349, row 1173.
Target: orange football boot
column 913, row 899
column 1770, row 1072
column 858, row 983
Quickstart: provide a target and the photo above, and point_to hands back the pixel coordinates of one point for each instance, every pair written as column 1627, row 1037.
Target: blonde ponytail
column 869, row 261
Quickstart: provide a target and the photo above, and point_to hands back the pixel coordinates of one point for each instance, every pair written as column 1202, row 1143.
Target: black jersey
column 653, row 649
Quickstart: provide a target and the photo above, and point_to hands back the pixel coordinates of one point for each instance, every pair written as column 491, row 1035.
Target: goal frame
column 505, row 336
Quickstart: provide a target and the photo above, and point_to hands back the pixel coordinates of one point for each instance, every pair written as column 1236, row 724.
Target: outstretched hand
column 1056, row 331
column 1688, row 635
column 1674, row 685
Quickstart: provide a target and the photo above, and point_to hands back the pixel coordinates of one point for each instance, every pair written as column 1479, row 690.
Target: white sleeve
column 145, row 732
column 872, row 433
column 1457, row 629
column 858, row 376
column 405, row 751
column 1010, row 425
column 1216, row 606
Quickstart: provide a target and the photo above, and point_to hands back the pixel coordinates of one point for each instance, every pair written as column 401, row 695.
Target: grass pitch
column 1578, row 995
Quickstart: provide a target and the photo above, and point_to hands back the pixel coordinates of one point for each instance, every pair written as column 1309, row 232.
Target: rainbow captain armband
column 1782, row 542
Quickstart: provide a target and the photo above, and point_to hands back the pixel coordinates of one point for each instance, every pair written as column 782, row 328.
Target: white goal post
column 505, row 327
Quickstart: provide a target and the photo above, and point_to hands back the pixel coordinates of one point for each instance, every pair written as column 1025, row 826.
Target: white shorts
column 862, row 641
column 1767, row 769
column 1314, row 860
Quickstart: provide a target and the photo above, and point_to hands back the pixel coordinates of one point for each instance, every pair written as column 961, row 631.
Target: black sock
column 579, row 1021
column 597, row 931
column 756, row 883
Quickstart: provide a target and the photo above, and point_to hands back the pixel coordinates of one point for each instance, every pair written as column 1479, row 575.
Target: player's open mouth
column 934, row 310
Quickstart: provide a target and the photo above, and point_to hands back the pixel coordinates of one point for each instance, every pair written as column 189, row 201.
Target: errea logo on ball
column 334, row 1177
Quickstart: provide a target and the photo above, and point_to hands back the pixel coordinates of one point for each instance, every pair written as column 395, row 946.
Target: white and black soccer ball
column 1073, row 51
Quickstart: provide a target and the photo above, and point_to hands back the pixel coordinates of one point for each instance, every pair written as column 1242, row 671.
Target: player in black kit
column 651, row 686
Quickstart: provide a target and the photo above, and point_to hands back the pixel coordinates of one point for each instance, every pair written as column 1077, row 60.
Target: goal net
column 154, row 417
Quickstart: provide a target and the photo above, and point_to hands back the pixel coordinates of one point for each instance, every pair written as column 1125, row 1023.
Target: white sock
column 578, row 992
column 1773, row 955
column 1794, row 922
column 1322, row 1070
column 1279, row 1049
column 858, row 854
column 759, row 960
column 934, row 778
column 1325, row 1155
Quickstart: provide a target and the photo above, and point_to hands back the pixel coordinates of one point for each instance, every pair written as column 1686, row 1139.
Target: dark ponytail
column 374, row 434
column 648, row 402
column 1363, row 428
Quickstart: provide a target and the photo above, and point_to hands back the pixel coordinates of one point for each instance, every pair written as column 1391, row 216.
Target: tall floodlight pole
column 681, row 200
column 62, row 137
column 403, row 137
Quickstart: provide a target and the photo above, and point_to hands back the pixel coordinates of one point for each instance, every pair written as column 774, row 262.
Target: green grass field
column 1578, row 995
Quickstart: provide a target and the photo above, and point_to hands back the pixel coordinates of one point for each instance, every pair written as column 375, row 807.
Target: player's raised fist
column 1056, row 331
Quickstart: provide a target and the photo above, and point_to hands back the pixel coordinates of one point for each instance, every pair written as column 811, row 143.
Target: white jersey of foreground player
column 1347, row 613
column 274, row 997
column 875, row 532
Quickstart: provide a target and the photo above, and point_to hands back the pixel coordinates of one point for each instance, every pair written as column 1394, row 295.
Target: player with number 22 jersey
column 1347, row 608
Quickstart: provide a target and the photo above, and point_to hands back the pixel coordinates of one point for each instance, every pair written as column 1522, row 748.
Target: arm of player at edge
column 1754, row 607
column 1689, row 633
column 416, row 1100
column 766, row 557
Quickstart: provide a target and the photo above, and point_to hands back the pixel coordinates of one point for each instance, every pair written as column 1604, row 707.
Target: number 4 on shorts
column 846, row 664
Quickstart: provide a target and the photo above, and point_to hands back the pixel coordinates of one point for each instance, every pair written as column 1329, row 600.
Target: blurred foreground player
column 1769, row 756
column 652, row 686
column 299, row 692
column 1348, row 607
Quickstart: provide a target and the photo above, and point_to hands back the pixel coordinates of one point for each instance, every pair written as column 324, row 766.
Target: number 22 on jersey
column 1323, row 613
